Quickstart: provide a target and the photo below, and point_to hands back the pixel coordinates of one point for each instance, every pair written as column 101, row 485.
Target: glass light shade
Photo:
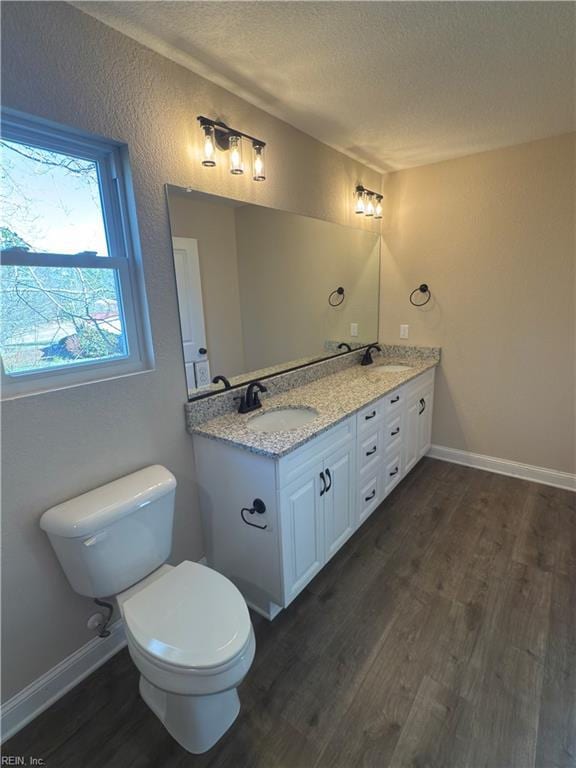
column 378, row 207
column 209, row 149
column 236, row 165
column 359, row 207
column 258, row 167
column 369, row 205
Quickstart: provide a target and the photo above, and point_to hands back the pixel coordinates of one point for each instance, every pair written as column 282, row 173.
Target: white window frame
column 118, row 214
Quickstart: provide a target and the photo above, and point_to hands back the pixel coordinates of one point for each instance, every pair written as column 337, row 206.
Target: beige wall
column 493, row 235
column 213, row 224
column 288, row 265
column 63, row 65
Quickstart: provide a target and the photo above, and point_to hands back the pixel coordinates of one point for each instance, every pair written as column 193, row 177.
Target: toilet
column 188, row 628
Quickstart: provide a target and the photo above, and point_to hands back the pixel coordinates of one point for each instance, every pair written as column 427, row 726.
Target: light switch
column 353, row 329
column 404, row 331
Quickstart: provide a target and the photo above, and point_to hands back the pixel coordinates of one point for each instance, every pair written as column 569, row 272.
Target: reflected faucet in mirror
column 223, row 379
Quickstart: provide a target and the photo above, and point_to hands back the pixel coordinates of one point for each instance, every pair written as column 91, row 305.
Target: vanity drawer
column 392, row 472
column 393, row 433
column 369, row 497
column 370, row 415
column 394, row 401
column 370, row 448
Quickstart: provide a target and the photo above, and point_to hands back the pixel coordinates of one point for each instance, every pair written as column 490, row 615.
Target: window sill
column 46, row 389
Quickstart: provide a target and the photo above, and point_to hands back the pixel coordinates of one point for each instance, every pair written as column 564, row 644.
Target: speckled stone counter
column 335, row 397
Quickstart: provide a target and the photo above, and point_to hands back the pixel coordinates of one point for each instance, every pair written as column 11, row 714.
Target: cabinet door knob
column 395, row 432
column 369, row 453
column 323, row 489
column 395, row 399
column 329, row 476
column 371, row 416
column 369, row 498
column 394, row 473
column 422, row 406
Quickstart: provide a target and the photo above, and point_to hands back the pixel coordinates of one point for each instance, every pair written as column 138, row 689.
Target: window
column 72, row 305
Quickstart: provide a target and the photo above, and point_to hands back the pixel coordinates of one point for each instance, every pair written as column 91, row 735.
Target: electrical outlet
column 353, row 329
column 202, row 370
column 404, row 331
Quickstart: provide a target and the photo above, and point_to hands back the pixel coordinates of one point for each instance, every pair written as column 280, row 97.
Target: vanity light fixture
column 368, row 202
column 236, row 165
column 218, row 135
column 209, row 149
column 258, row 168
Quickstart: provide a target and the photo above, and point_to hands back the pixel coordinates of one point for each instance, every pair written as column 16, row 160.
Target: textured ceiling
column 393, row 84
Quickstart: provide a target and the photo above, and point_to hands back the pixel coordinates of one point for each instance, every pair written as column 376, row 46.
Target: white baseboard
column 39, row 695
column 505, row 467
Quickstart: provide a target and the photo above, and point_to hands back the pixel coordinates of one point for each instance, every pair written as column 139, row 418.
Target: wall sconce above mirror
column 218, row 135
column 368, row 202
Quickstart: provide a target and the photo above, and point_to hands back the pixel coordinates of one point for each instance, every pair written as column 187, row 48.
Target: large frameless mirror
column 262, row 291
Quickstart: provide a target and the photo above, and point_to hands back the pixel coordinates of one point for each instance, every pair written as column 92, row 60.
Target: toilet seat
column 191, row 619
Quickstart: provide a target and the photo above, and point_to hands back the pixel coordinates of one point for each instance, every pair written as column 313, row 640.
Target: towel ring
column 336, row 297
column 423, row 288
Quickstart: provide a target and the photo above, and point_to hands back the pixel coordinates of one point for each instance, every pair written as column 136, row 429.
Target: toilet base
column 195, row 722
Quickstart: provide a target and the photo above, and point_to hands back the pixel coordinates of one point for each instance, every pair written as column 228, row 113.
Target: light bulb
column 236, row 166
column 378, row 208
column 369, row 205
column 258, row 169
column 209, row 150
column 359, row 207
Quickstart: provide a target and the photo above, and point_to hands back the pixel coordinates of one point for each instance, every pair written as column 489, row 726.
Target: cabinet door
column 412, row 432
column 425, row 401
column 301, row 509
column 339, row 499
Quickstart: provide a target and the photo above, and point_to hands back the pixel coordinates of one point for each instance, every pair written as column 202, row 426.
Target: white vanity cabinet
column 316, row 516
column 310, row 499
column 393, row 434
column 418, row 421
column 314, row 497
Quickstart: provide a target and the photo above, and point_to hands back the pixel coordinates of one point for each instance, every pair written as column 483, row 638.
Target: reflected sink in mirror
column 391, row 368
column 282, row 419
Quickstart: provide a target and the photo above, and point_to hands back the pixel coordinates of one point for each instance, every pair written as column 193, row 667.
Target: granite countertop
column 335, row 397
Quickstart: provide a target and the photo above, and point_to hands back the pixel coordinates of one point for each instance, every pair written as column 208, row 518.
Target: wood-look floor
column 442, row 634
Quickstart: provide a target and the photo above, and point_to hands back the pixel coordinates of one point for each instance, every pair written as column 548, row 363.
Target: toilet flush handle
column 90, row 542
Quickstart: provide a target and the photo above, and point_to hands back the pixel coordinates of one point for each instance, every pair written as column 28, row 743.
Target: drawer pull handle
column 422, row 406
column 395, row 399
column 369, row 498
column 394, row 473
column 369, row 453
column 371, row 416
column 323, row 490
column 395, row 432
column 329, row 476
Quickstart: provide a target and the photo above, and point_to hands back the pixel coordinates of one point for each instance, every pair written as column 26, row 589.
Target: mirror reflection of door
column 189, row 285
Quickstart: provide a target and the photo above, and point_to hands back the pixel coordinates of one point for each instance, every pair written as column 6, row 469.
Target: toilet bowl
column 189, row 634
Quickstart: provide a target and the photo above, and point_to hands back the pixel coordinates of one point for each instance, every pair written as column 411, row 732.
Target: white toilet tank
column 112, row 537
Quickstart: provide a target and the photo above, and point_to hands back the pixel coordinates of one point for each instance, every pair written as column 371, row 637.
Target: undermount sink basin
column 391, row 368
column 281, row 419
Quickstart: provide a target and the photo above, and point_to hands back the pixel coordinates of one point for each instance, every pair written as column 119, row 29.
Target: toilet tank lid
column 97, row 509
